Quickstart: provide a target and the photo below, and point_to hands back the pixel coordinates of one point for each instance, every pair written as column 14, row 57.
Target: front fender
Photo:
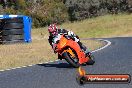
column 69, row 51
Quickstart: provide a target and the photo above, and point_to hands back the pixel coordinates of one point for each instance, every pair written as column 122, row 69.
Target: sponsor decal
column 83, row 78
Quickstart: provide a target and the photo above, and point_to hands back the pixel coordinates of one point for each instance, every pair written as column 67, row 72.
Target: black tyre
column 14, row 20
column 12, row 32
column 13, row 26
column 91, row 61
column 12, row 42
column 0, row 32
column 71, row 61
column 12, row 37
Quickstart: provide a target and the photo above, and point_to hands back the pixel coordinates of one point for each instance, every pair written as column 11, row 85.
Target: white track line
column 108, row 43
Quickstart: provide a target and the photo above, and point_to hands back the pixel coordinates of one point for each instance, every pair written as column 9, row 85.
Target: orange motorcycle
column 72, row 53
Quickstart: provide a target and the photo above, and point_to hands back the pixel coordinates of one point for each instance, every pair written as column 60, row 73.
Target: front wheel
column 72, row 61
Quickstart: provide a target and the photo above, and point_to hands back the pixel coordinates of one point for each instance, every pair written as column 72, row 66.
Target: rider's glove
column 55, row 51
column 67, row 37
column 54, row 48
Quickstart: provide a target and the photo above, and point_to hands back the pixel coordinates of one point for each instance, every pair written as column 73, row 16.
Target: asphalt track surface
column 115, row 59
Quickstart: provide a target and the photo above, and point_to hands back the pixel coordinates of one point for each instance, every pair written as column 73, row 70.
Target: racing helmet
column 52, row 29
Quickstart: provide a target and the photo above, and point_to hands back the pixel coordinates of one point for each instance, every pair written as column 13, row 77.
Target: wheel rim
column 75, row 59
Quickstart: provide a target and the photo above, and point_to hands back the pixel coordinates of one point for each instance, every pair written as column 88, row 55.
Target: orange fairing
column 73, row 45
column 62, row 43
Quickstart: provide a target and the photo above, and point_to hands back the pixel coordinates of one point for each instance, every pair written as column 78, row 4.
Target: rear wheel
column 72, row 61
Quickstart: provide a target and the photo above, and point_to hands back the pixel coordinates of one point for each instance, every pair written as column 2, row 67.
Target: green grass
column 103, row 26
column 40, row 51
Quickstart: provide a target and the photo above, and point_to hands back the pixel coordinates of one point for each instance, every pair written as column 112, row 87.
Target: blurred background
column 45, row 12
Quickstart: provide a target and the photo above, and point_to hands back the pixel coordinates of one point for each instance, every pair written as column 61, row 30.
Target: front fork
column 67, row 50
column 70, row 52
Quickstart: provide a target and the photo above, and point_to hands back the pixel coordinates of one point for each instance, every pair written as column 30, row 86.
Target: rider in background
column 55, row 34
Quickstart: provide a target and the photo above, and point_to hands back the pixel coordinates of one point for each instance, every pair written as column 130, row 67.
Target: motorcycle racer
column 55, row 34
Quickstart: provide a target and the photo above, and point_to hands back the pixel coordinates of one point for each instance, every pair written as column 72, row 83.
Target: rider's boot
column 59, row 57
column 84, row 48
column 87, row 53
